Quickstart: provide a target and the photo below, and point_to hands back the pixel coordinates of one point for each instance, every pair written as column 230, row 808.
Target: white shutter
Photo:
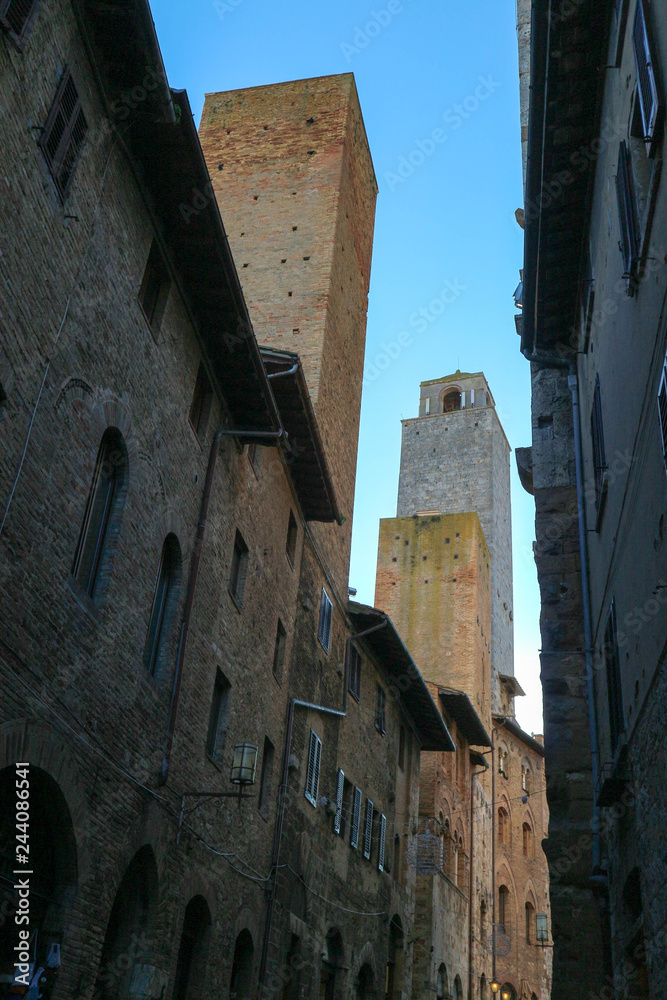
column 368, row 829
column 647, row 87
column 356, row 818
column 662, row 411
column 339, row 801
column 313, row 769
column 383, row 833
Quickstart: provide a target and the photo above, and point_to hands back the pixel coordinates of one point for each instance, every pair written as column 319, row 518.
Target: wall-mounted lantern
column 244, row 765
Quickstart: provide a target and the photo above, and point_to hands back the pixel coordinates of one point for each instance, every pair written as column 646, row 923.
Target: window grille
column 368, row 829
column 354, row 683
column 647, row 82
column 16, row 17
column 324, row 627
column 356, row 818
column 64, row 134
column 627, row 211
column 383, row 834
column 313, row 769
column 340, row 786
column 597, row 436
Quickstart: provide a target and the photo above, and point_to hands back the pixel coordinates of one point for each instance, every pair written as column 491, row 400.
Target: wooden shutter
column 64, row 133
column 627, row 211
column 313, row 769
column 339, row 802
column 647, row 83
column 662, row 410
column 368, row 829
column 356, row 818
column 324, row 629
column 15, row 17
column 383, row 834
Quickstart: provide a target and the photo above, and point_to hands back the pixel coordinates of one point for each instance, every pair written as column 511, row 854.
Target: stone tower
column 292, row 173
column 455, row 459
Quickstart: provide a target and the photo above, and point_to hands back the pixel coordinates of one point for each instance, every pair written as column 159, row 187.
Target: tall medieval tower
column 454, row 460
column 292, row 172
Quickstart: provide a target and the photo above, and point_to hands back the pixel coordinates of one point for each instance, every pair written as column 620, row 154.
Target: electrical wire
column 359, row 913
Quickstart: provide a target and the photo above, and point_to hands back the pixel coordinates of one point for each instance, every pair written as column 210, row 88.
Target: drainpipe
column 472, row 881
column 586, row 602
column 282, row 793
column 189, row 601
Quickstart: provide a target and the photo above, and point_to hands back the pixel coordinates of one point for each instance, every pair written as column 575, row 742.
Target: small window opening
column 279, row 651
column 292, row 535
column 154, row 290
column 202, row 399
column 217, row 725
column 266, row 777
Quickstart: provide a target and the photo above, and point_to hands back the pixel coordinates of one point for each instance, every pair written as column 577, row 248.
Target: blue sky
column 445, row 213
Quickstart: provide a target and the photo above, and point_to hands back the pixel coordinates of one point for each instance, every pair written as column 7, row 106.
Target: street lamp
column 244, row 765
column 495, row 986
column 506, row 994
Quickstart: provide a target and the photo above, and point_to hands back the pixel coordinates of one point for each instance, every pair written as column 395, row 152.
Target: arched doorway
column 365, row 983
column 332, row 962
column 192, row 954
column 131, row 928
column 240, row 983
column 394, row 978
column 507, row 992
column 442, row 983
column 458, row 989
column 53, row 863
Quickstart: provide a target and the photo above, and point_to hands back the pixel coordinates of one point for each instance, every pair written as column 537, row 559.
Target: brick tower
column 455, row 459
column 292, row 173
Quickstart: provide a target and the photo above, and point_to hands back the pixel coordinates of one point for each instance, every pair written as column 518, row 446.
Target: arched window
column 503, row 826
column 103, row 511
column 451, row 401
column 458, row 989
column 526, row 777
column 165, row 599
column 528, row 841
column 503, row 909
column 530, row 923
column 442, row 983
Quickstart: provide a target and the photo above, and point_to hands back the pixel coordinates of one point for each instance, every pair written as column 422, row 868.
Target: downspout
column 282, row 793
column 473, row 775
column 189, row 601
column 586, row 602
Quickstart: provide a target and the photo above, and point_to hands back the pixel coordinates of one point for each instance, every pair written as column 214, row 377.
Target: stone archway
column 240, row 984
column 190, row 976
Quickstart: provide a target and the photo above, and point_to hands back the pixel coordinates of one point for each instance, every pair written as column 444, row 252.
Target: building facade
column 593, row 327
column 481, row 869
column 180, row 675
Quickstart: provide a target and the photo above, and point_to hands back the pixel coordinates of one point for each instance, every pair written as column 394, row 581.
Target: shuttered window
column 368, row 829
column 662, row 410
column 597, row 436
column 647, row 81
column 356, row 818
column 354, row 682
column 313, row 769
column 614, row 683
column 340, row 787
column 16, row 16
column 64, row 134
column 383, row 835
column 324, row 628
column 627, row 211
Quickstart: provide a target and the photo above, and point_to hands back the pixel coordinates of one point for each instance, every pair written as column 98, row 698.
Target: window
column 356, row 818
column 217, row 724
column 647, row 82
column 503, row 909
column 662, row 410
column 530, row 920
column 201, row 403
column 165, row 598
column 482, row 921
column 354, row 682
column 279, row 651
column 239, row 569
column 382, row 832
column 313, row 769
column 64, row 134
column 266, row 776
column 16, row 17
column 597, row 437
column 528, row 841
column 401, row 748
column 627, row 211
column 324, row 627
column 525, row 777
column 503, row 761
column 614, row 682
column 154, row 289
column 103, row 509
column 368, row 829
column 292, row 535
column 340, row 791
column 346, row 813
column 460, row 866
column 380, row 711
column 451, row 401
column 255, row 456
column 398, row 871
column 503, row 826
